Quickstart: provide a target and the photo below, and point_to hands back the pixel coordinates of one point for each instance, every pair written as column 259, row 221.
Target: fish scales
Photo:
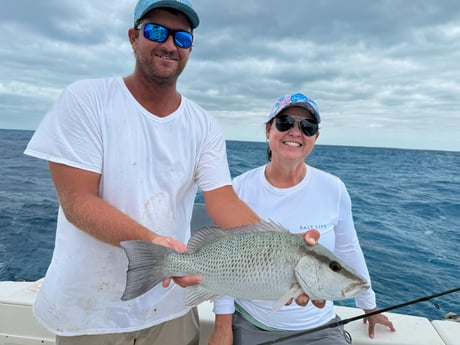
column 262, row 261
column 236, row 265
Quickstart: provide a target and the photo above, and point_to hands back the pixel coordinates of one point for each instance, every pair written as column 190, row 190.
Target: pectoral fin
column 293, row 292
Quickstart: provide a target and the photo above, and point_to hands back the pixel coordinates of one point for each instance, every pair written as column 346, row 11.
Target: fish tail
column 146, row 267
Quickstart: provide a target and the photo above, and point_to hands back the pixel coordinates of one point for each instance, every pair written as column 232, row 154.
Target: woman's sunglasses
column 286, row 122
column 159, row 33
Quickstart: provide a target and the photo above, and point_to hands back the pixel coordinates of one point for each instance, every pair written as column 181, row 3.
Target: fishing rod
column 344, row 322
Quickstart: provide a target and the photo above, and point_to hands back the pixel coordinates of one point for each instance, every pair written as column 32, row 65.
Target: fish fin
column 272, row 226
column 145, row 268
column 204, row 236
column 209, row 234
column 196, row 294
column 293, row 292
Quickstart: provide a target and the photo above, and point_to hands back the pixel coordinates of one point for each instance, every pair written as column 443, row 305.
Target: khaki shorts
column 182, row 331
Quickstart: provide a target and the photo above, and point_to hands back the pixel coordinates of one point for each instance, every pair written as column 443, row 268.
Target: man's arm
column 78, row 193
column 226, row 209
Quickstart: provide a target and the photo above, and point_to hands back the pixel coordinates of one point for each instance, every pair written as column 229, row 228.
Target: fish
column 260, row 261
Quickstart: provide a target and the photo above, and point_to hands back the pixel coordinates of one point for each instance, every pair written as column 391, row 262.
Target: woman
column 300, row 197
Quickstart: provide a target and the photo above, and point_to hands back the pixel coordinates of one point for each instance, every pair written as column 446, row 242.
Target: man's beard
column 153, row 71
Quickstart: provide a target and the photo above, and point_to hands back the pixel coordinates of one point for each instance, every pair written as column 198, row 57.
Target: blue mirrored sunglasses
column 159, row 33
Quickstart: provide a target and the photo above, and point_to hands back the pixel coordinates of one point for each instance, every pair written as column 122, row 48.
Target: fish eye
column 335, row 266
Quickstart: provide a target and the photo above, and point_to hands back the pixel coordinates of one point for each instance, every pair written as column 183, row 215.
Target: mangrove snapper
column 261, row 261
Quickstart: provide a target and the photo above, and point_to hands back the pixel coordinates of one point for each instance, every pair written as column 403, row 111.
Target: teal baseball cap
column 295, row 100
column 184, row 6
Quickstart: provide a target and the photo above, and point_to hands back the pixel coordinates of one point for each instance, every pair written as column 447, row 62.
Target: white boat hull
column 18, row 326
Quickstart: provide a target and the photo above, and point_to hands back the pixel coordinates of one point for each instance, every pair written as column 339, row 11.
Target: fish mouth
column 354, row 288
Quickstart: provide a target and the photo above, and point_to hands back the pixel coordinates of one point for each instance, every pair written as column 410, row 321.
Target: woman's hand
column 375, row 319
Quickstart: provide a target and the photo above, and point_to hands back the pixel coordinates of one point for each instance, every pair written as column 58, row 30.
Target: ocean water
column 406, row 206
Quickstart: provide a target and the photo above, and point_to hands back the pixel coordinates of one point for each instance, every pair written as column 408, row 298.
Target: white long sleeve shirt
column 320, row 201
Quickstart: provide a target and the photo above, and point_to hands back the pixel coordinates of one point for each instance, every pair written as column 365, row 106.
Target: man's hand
column 178, row 246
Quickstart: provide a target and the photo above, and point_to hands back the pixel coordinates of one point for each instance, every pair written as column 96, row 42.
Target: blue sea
column 406, row 206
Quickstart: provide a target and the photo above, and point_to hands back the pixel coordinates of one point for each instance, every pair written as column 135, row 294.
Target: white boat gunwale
column 19, row 327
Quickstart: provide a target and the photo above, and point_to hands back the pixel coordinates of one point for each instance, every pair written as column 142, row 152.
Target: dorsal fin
column 208, row 234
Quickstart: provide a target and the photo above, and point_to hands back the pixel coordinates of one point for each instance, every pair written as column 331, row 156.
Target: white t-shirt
column 151, row 168
column 320, row 201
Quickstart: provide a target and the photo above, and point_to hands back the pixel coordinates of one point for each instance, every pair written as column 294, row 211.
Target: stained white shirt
column 151, row 168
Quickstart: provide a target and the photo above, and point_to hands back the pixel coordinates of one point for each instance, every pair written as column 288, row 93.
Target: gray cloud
column 384, row 73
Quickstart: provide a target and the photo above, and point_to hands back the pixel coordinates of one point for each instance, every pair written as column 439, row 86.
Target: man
column 126, row 156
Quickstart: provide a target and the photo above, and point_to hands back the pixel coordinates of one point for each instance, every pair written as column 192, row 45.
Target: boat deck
column 18, row 326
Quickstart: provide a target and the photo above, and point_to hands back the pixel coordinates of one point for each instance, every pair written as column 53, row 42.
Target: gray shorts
column 245, row 333
column 181, row 331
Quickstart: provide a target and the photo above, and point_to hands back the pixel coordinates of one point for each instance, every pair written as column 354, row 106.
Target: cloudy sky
column 385, row 73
